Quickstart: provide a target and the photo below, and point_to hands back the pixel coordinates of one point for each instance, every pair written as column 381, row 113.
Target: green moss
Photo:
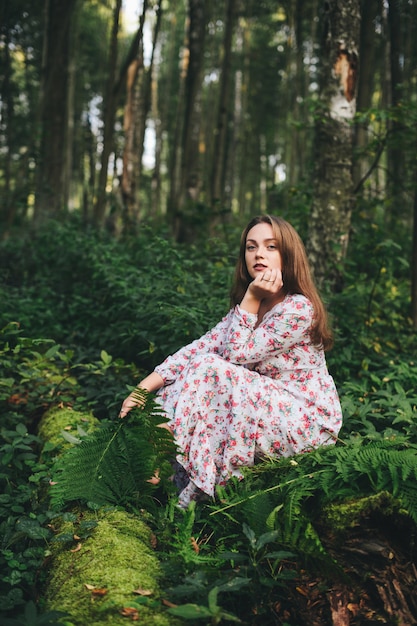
column 117, row 557
column 57, row 420
column 108, row 549
column 342, row 516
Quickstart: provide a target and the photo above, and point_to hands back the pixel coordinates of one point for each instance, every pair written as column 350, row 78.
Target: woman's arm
column 213, row 341
column 168, row 370
column 288, row 325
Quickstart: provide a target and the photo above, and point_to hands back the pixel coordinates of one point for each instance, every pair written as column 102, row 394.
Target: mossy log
column 100, row 561
column 95, row 579
column 58, row 420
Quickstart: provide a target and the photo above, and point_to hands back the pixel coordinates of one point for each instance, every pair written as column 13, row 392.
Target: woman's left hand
column 267, row 284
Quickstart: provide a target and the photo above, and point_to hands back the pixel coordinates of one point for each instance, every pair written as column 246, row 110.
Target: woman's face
column 261, row 251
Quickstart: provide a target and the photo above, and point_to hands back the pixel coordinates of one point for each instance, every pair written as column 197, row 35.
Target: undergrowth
column 82, row 333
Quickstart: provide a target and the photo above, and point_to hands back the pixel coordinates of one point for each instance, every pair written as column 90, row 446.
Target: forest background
column 131, row 156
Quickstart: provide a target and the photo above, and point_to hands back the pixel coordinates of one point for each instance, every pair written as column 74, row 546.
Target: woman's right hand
column 151, row 383
column 128, row 404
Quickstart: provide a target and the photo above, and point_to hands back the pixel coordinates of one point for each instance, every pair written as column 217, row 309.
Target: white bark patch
column 341, row 109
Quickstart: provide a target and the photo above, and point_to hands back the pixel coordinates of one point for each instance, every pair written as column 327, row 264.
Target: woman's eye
column 272, row 247
column 250, row 247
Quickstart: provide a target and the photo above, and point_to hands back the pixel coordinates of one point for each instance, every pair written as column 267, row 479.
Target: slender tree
column 395, row 152
column 185, row 176
column 370, row 9
column 224, row 113
column 147, row 97
column 53, row 165
column 414, row 261
column 134, row 116
column 108, row 119
column 166, row 86
column 7, row 119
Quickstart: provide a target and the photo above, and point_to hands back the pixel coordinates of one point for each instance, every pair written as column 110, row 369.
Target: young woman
column 257, row 384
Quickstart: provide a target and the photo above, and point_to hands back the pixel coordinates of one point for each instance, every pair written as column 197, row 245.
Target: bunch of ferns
column 113, row 465
column 290, row 495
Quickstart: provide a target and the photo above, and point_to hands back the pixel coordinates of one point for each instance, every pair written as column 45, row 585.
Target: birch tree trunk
column 333, row 185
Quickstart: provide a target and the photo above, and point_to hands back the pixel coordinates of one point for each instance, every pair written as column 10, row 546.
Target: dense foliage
column 83, row 316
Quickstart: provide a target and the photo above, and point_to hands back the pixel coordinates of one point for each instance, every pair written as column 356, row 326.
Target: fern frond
column 296, row 489
column 113, row 464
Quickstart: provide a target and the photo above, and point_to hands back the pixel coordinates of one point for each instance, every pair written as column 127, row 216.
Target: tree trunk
column 108, row 120
column 370, row 10
column 72, row 71
column 185, row 173
column 190, row 171
column 176, row 148
column 7, row 211
column 414, row 261
column 234, row 150
column 221, row 131
column 52, row 174
column 333, row 186
column 130, row 152
column 133, row 116
column 144, row 108
column 395, row 151
column 88, row 169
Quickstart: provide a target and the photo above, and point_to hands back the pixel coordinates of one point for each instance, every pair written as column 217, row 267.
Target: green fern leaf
column 113, row 464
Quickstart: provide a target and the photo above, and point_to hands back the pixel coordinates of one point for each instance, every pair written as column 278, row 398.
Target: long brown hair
column 296, row 274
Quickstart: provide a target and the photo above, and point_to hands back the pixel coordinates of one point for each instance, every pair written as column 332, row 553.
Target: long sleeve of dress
column 213, row 341
column 287, row 325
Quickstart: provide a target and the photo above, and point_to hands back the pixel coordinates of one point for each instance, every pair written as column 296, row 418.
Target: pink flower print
column 208, row 397
column 238, row 460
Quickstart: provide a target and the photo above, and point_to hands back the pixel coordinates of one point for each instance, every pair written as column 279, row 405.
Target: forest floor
column 377, row 585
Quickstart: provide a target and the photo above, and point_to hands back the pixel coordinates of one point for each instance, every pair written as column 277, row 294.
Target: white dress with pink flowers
column 244, row 391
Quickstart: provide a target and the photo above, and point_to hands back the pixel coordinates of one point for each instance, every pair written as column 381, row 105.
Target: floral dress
column 245, row 391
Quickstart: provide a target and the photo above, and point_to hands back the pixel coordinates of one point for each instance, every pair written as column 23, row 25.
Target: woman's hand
column 151, row 383
column 267, row 284
column 131, row 402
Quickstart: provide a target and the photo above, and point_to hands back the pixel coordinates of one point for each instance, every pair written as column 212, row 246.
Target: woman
column 257, row 384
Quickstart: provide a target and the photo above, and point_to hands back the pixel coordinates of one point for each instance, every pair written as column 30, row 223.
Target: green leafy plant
column 101, row 294
column 114, row 464
column 296, row 490
column 212, row 612
column 31, row 617
column 107, row 311
column 23, row 517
